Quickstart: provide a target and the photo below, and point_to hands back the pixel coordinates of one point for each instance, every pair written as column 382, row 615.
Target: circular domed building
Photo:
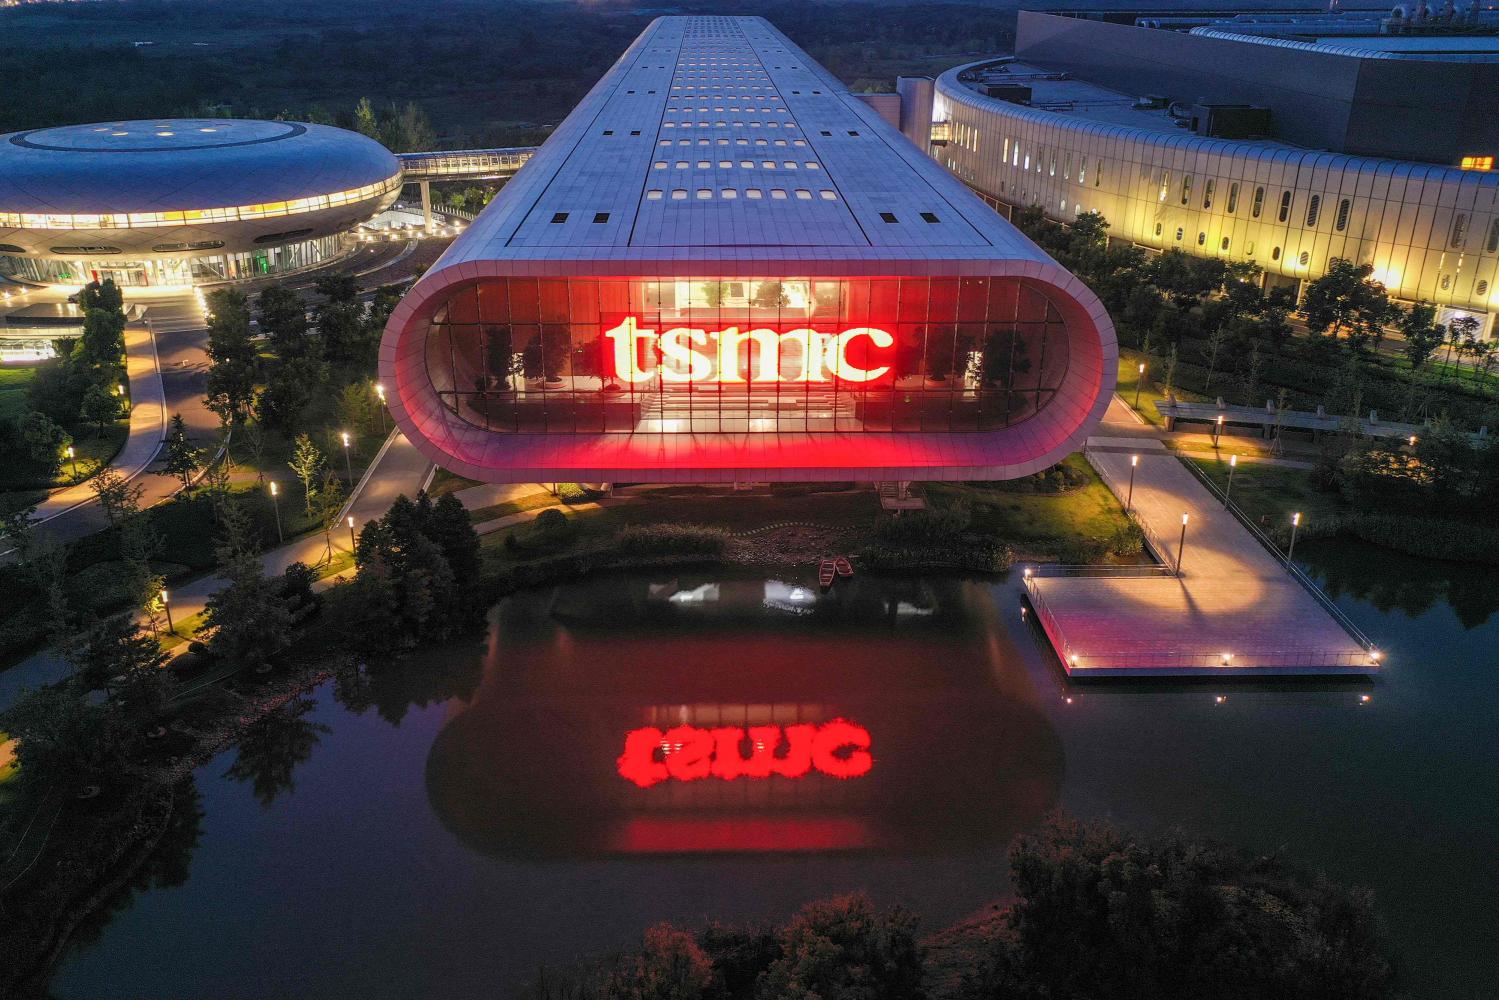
column 186, row 201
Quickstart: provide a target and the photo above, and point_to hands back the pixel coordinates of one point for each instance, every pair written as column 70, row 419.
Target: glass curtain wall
column 771, row 355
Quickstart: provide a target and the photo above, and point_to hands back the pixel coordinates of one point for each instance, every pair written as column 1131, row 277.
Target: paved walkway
column 1232, row 599
column 489, row 494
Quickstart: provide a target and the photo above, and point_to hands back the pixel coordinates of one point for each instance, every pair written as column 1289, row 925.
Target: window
column 830, row 195
column 1233, row 198
column 1275, row 253
column 1313, row 210
column 728, row 194
column 1202, row 239
column 654, row 194
column 608, row 131
column 1285, row 206
column 1186, row 188
column 1158, row 229
column 753, row 194
column 599, row 218
column 777, row 194
column 803, row 194
column 1179, row 234
column 1165, row 185
column 1304, row 259
column 888, row 217
column 1482, row 288
column 1459, row 230
column 1259, row 202
column 1223, row 244
column 1207, row 194
column 929, row 217
column 1493, row 242
column 678, row 194
column 1446, row 282
column 558, row 218
column 1341, row 222
column 1097, row 172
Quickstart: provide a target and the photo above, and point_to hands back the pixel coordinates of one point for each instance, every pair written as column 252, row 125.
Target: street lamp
column 1233, row 463
column 1181, row 546
column 167, row 606
column 1413, row 440
column 1139, row 381
column 348, row 462
column 1295, row 523
column 72, row 458
column 1217, row 429
column 380, row 393
column 353, row 544
column 1129, row 503
column 276, row 506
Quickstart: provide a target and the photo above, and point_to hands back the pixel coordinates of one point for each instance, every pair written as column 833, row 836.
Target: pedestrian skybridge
column 465, row 164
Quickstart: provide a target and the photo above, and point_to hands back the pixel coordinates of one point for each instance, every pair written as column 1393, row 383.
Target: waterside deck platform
column 1235, row 609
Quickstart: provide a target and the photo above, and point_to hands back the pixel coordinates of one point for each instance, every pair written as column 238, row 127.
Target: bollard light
column 1139, row 381
column 1233, row 463
column 1129, row 500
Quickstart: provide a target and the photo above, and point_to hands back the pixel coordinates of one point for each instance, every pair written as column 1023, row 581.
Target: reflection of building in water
column 532, row 764
column 710, row 597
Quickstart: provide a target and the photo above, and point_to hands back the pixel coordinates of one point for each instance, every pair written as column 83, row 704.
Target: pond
column 444, row 825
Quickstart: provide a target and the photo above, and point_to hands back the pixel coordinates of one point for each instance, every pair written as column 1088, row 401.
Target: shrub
column 553, row 527
column 671, row 539
column 925, row 526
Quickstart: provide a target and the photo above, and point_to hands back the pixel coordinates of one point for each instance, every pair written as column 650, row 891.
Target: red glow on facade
column 746, row 354
column 839, row 749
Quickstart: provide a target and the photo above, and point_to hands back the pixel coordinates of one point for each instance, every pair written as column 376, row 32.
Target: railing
column 1156, row 543
column 1148, row 655
column 1291, row 568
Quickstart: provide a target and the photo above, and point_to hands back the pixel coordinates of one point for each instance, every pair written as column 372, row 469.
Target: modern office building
column 1246, row 141
column 184, row 202
column 722, row 266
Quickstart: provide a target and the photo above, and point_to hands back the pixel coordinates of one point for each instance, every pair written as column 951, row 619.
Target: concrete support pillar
column 426, row 187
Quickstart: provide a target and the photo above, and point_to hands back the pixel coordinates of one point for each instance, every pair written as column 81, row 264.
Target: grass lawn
column 481, row 514
column 1150, row 393
column 1042, row 522
column 8, row 766
column 1271, row 492
column 449, row 482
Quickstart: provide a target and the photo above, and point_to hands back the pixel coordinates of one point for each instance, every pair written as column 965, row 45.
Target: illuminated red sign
column 838, row 748
column 756, row 355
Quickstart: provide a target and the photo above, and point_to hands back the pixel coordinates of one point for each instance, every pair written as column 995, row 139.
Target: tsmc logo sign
column 838, row 748
column 747, row 355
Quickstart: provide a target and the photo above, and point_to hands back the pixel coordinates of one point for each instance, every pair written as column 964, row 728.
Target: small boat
column 843, row 566
column 826, row 571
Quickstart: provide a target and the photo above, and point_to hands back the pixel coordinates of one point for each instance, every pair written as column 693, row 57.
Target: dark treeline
column 486, row 73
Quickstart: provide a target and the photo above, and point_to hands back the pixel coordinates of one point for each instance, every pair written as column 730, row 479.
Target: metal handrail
column 1295, row 571
column 1156, row 543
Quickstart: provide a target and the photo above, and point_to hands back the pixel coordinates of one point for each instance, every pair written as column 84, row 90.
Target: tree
column 100, row 407
column 341, row 322
column 1347, row 299
column 288, row 391
column 119, row 497
column 102, row 344
column 330, row 502
column 104, row 295
column 246, row 623
column 234, row 362
column 268, row 752
column 844, row 949
column 670, row 966
column 283, row 319
column 44, row 441
column 1422, row 333
column 62, row 737
column 113, row 653
column 453, row 531
column 182, row 459
column 1462, row 332
column 306, row 464
column 365, row 122
column 1100, row 913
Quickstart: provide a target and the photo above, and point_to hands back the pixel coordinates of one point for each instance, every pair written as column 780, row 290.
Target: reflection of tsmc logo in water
column 742, row 356
column 838, row 748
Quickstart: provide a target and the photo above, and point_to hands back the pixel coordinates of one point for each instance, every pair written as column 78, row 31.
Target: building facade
column 184, row 202
column 724, row 266
column 1041, row 132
